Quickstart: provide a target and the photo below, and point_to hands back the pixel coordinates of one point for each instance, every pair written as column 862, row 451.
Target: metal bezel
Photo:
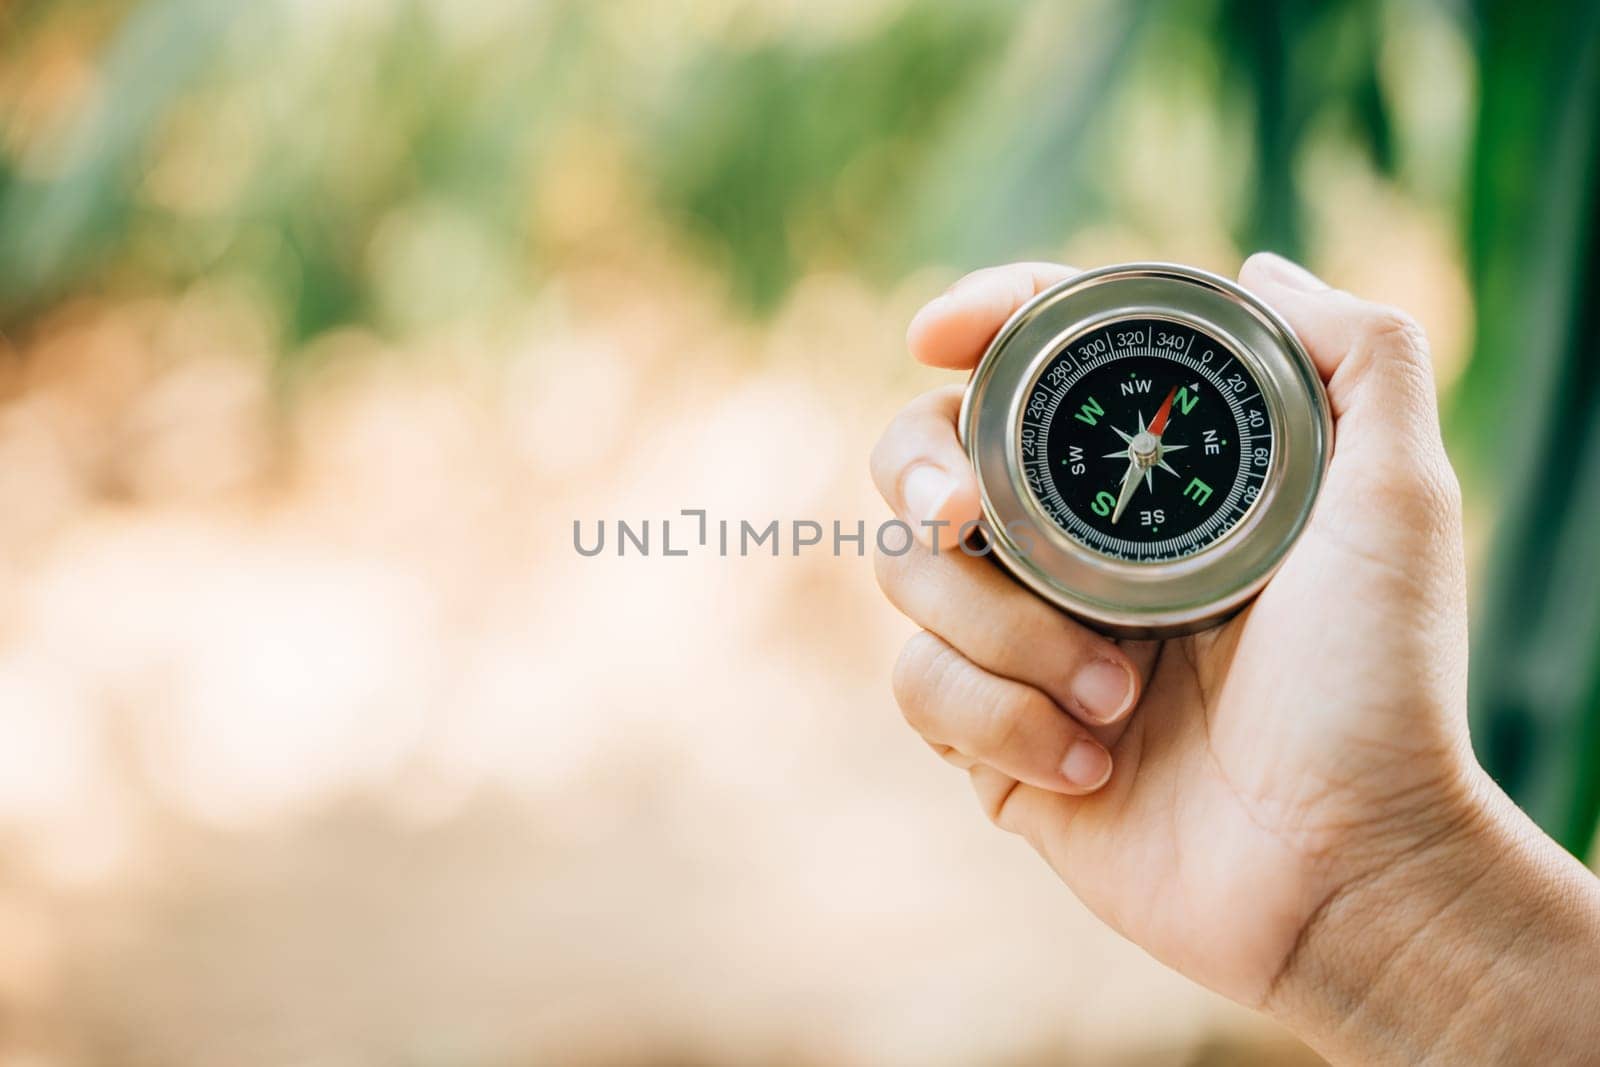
column 1120, row 596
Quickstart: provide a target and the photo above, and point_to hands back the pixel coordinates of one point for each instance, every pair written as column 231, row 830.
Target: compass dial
column 1149, row 440
column 1146, row 439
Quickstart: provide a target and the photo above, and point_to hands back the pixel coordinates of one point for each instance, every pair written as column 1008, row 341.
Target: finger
column 953, row 756
column 1006, row 630
column 1012, row 727
column 953, row 329
column 1388, row 451
column 1020, row 808
column 923, row 472
column 1143, row 656
column 994, row 790
column 1374, row 358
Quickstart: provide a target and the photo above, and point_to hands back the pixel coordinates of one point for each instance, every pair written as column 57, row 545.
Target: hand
column 1209, row 796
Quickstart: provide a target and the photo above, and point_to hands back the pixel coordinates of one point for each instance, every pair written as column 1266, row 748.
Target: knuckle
column 1452, row 491
column 1000, row 643
column 1419, row 493
column 1443, row 490
column 998, row 717
column 1024, row 638
column 905, row 424
column 917, row 676
column 1398, row 485
column 945, row 699
column 925, row 430
column 1389, row 351
column 995, row 802
column 1392, row 334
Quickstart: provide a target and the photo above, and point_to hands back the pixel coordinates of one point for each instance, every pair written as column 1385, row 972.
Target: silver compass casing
column 1122, row 597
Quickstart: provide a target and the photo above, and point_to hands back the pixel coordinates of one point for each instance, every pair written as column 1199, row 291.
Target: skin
column 1285, row 808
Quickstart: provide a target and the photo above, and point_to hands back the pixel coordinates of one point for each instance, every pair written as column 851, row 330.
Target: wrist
column 1468, row 940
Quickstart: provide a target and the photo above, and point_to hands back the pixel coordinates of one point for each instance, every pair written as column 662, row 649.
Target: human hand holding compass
column 1277, row 806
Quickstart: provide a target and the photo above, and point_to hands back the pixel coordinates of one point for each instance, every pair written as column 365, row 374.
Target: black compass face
column 1146, row 440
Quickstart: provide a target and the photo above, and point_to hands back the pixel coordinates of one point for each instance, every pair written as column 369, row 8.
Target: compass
column 1149, row 440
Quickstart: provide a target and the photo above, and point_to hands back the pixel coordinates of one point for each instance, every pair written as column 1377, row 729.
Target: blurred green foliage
column 384, row 163
column 783, row 141
column 1530, row 405
column 1296, row 62
column 958, row 131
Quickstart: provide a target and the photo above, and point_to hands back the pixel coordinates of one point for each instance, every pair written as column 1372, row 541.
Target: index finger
column 953, row 329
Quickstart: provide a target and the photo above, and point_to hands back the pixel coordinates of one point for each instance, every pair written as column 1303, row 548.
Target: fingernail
column 1087, row 765
column 1289, row 274
column 926, row 489
column 1103, row 689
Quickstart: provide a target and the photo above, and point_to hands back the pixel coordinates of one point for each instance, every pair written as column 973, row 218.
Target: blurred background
column 320, row 323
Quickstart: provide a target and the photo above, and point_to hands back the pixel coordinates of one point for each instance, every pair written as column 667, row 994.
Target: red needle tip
column 1159, row 423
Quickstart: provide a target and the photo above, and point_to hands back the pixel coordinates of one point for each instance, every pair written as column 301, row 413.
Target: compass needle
column 1130, row 482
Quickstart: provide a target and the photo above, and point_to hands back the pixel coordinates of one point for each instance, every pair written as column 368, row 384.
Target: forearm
column 1482, row 947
